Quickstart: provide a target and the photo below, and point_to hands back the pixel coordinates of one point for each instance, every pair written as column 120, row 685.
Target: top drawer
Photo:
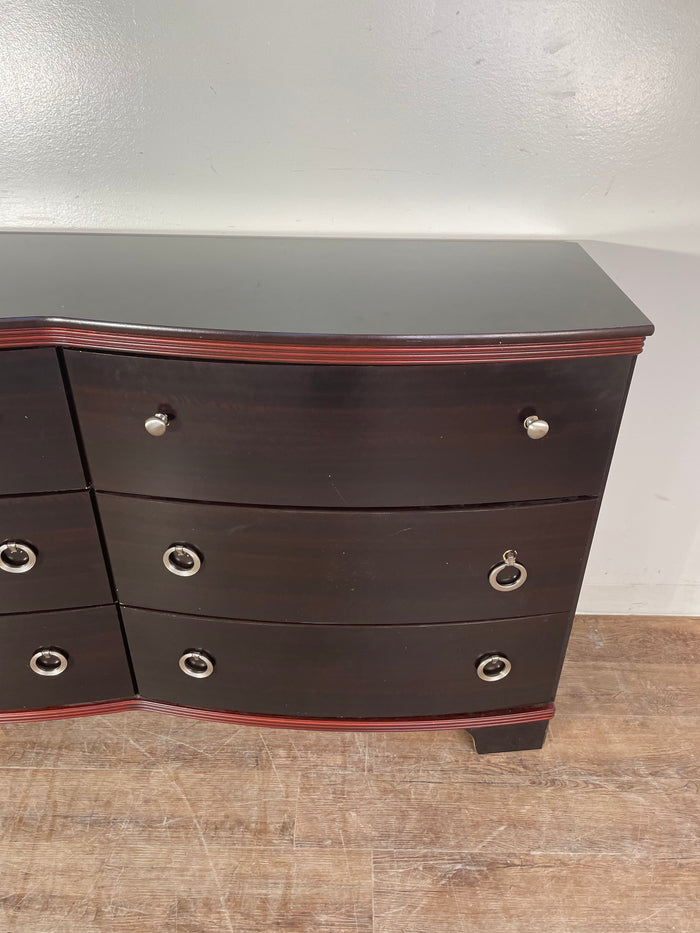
column 348, row 436
column 36, row 430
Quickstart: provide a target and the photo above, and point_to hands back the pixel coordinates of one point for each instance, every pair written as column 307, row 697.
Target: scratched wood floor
column 140, row 822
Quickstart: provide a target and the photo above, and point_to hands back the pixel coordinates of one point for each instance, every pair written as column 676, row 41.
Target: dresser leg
column 516, row 738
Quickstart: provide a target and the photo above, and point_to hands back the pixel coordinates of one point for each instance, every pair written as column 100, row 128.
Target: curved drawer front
column 347, row 436
column 50, row 554
column 36, row 430
column 340, row 566
column 344, row 671
column 61, row 658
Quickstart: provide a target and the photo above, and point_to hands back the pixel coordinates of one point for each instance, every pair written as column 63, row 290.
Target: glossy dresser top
column 319, row 290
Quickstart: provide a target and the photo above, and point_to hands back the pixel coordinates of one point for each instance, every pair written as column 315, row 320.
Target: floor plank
column 139, row 886
column 415, row 893
column 54, row 806
column 470, row 815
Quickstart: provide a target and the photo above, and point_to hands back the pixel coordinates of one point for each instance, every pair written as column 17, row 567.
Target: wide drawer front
column 61, row 658
column 347, row 436
column 345, row 671
column 296, row 565
column 40, row 453
column 50, row 554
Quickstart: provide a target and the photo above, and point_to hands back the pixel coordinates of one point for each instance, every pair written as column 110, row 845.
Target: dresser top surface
column 319, row 288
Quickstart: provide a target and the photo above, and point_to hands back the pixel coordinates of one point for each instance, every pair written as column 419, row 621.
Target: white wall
column 555, row 118
column 646, row 552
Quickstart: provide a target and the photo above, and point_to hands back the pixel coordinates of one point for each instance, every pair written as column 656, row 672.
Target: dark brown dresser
column 313, row 483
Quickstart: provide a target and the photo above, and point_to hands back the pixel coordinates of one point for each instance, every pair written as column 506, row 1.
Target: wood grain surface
column 357, row 671
column 70, row 569
column 346, row 567
column 139, row 822
column 91, row 639
column 347, row 436
column 40, row 453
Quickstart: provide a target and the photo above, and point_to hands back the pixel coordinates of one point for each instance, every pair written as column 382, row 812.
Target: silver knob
column 493, row 667
column 197, row 664
column 512, row 574
column 157, row 424
column 49, row 662
column 535, row 427
column 182, row 560
column 17, row 557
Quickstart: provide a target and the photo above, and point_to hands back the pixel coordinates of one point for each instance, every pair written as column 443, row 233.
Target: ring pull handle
column 182, row 559
column 157, row 424
column 17, row 557
column 197, row 664
column 509, row 574
column 49, row 662
column 492, row 667
column 535, row 427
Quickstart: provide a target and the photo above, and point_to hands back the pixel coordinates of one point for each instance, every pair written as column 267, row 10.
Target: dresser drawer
column 308, row 565
column 50, row 554
column 36, row 430
column 347, row 436
column 345, row 671
column 61, row 658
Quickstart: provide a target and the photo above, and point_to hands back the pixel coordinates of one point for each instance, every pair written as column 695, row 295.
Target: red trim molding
column 281, row 352
column 414, row 724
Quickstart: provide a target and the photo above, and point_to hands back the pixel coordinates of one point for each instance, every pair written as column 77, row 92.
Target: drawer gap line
column 464, row 507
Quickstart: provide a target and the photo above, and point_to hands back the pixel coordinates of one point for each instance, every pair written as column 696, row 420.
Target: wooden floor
column 140, row 822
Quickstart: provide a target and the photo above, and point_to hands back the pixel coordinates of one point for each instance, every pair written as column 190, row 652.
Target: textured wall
column 557, row 118
column 554, row 117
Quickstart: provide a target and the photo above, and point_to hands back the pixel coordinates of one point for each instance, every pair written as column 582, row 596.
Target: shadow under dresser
column 315, row 483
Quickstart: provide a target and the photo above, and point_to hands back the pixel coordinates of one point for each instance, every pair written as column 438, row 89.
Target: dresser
column 315, row 483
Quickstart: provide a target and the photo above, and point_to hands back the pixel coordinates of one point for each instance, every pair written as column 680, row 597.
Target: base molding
column 413, row 724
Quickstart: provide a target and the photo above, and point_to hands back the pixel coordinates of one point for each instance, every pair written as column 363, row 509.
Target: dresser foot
column 514, row 738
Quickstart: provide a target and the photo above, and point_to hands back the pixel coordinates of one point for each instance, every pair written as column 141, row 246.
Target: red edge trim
column 298, row 353
column 415, row 724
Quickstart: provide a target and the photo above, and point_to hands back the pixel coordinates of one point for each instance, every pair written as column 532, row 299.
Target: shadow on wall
column 646, row 554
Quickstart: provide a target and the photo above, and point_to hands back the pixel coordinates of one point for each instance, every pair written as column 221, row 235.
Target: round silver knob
column 535, row 427
column 197, row 664
column 182, row 560
column 49, row 662
column 493, row 667
column 17, row 557
column 157, row 424
column 509, row 574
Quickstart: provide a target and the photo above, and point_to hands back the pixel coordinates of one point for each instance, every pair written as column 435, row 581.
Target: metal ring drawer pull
column 182, row 560
column 493, row 667
column 197, row 664
column 514, row 579
column 157, row 424
column 49, row 662
column 17, row 557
